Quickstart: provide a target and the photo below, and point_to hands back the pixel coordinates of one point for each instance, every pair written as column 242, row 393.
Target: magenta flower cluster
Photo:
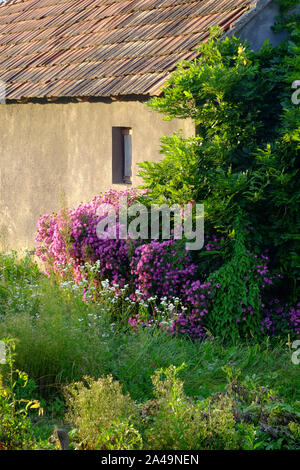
column 165, row 269
column 159, row 268
column 67, row 240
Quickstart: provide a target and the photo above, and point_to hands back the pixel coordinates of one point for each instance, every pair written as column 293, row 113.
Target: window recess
column 121, row 155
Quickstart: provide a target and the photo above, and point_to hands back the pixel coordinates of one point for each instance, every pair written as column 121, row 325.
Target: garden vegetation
column 141, row 344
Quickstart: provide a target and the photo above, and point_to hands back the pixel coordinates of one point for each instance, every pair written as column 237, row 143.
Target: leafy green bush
column 243, row 416
column 243, row 163
column 237, row 310
column 173, row 421
column 102, row 415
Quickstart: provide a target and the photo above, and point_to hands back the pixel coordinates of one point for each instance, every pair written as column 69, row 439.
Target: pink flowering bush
column 210, row 292
column 51, row 248
column 165, row 269
column 69, row 239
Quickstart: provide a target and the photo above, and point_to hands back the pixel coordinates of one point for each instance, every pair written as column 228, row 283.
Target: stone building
column 76, row 75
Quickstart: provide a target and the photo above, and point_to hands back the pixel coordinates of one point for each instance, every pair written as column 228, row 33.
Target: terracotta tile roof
column 90, row 48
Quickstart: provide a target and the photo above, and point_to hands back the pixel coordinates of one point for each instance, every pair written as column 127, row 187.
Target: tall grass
column 60, row 339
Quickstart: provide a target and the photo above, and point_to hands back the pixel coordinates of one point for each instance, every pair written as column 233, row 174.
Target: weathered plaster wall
column 256, row 26
column 260, row 27
column 54, row 155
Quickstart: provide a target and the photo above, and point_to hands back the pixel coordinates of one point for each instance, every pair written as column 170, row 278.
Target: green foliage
column 227, row 92
column 275, row 423
column 54, row 348
column 102, row 416
column 19, row 278
column 243, row 416
column 238, row 290
column 286, row 5
column 175, row 422
column 66, row 340
column 245, row 156
column 175, row 176
column 15, row 426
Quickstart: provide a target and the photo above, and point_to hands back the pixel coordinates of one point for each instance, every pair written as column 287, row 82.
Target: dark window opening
column 121, row 155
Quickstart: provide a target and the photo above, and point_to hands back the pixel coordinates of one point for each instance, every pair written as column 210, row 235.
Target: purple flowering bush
column 281, row 319
column 224, row 290
column 163, row 268
column 69, row 239
column 166, row 269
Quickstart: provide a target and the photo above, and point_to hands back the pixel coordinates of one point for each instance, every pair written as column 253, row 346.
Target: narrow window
column 121, row 155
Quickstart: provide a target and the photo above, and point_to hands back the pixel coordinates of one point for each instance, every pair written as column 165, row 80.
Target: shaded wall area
column 256, row 26
column 57, row 155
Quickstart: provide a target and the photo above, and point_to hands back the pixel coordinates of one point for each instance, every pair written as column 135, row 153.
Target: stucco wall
column 54, row 155
column 256, row 26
